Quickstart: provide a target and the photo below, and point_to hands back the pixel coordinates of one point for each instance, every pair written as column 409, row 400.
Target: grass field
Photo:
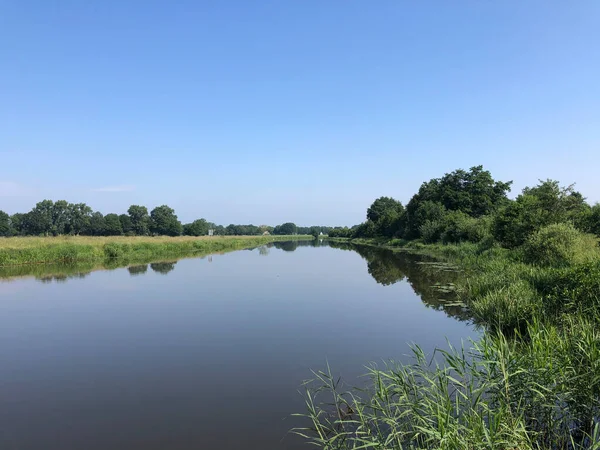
column 37, row 250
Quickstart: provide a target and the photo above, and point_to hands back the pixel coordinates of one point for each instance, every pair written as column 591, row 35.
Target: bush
column 431, row 231
column 509, row 308
column 560, row 244
column 462, row 228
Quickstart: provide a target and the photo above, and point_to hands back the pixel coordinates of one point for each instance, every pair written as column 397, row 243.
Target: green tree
column 5, row 229
column 474, row 192
column 39, row 219
column 17, row 223
column 79, row 214
column 97, row 225
column 594, row 219
column 126, row 224
column 539, row 206
column 61, row 217
column 163, row 221
column 383, row 206
column 196, row 228
column 112, row 225
column 140, row 220
column 287, row 228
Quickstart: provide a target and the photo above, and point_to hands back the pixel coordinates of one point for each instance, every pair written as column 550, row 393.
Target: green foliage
column 112, row 225
column 508, row 308
column 140, row 220
column 96, row 226
column 560, row 244
column 431, row 231
column 80, row 215
column 499, row 394
column 5, row 228
column 163, row 221
column 545, row 204
column 474, row 192
column 287, row 228
column 459, row 227
column 17, row 224
column 39, row 219
column 196, row 228
column 126, row 224
column 592, row 220
column 384, row 206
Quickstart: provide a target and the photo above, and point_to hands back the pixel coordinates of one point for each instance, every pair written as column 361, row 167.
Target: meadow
column 68, row 249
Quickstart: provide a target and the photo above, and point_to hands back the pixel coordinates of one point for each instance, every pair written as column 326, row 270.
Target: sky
column 244, row 111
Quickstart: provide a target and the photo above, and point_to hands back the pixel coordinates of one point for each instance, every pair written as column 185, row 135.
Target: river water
column 205, row 353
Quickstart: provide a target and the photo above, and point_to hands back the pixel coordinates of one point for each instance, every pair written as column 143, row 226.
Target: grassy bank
column 69, row 249
column 532, row 382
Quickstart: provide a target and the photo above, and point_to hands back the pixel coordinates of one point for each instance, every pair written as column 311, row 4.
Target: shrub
column 114, row 250
column 431, row 231
column 509, row 308
column 462, row 228
column 560, row 244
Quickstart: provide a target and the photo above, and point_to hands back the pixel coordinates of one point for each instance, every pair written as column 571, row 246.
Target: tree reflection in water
column 388, row 267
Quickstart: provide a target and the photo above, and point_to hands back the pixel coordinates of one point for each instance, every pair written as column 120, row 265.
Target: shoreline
column 27, row 251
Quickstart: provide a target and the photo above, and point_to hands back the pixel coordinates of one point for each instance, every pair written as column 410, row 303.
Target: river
column 209, row 352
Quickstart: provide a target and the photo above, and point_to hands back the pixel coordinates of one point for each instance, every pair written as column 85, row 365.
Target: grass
column 532, row 382
column 70, row 249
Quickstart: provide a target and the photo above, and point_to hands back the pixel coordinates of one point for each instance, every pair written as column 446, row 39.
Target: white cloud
column 12, row 189
column 125, row 188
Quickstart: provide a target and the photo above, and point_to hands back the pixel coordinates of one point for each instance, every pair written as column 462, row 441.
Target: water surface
column 204, row 352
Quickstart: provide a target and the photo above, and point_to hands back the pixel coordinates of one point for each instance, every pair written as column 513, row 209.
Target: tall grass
column 532, row 382
column 35, row 250
column 502, row 394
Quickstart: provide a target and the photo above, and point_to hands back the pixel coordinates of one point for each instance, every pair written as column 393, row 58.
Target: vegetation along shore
column 531, row 279
column 68, row 249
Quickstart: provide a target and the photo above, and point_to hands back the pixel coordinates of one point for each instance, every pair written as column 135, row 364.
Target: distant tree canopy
column 163, row 221
column 287, row 228
column 472, row 206
column 198, row 227
column 48, row 218
column 4, row 224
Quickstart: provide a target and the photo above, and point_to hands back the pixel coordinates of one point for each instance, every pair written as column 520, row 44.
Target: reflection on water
column 388, row 267
column 138, row 270
column 189, row 354
column 163, row 267
column 385, row 266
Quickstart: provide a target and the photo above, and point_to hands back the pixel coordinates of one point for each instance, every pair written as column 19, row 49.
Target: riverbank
column 532, row 382
column 69, row 249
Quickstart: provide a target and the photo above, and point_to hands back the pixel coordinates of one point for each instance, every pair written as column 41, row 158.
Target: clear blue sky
column 299, row 110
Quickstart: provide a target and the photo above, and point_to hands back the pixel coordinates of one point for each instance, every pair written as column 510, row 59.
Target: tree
column 163, row 221
column 474, row 192
column 17, row 224
column 383, row 206
column 39, row 219
column 287, row 228
column 5, row 229
column 61, row 219
column 140, row 220
column 126, row 224
column 539, row 206
column 79, row 214
column 97, row 225
column 112, row 225
column 196, row 228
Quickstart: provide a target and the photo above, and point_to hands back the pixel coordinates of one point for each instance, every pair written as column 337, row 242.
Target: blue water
column 206, row 352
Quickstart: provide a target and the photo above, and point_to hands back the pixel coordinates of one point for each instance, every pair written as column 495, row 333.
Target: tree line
column 470, row 206
column 49, row 218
